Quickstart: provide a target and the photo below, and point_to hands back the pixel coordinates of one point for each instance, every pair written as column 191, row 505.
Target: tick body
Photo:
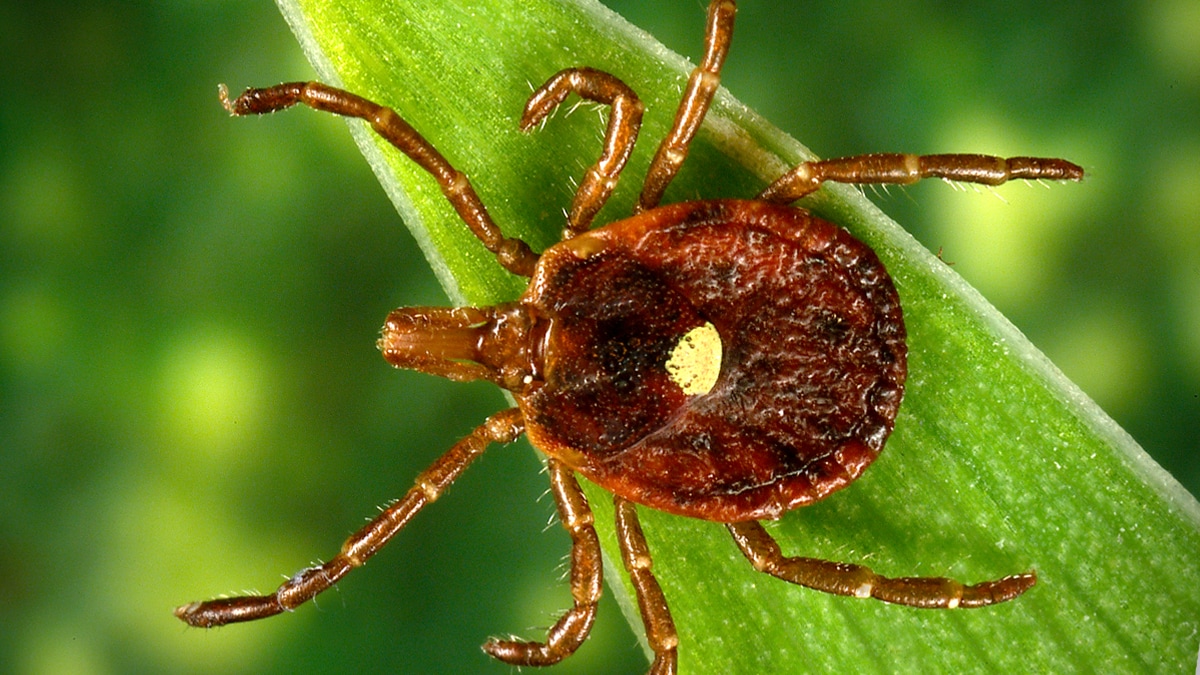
column 809, row 355
column 726, row 360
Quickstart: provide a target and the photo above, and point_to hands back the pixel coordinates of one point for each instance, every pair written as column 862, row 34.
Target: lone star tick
column 726, row 360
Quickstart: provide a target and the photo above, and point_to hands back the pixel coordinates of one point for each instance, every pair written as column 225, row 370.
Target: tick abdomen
column 811, row 346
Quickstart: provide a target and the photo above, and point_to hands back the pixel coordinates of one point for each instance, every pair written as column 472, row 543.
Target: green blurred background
column 189, row 393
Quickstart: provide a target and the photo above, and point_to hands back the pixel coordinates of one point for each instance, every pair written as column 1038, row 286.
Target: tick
column 728, row 360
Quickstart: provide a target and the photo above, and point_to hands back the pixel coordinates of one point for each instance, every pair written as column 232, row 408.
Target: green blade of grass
column 997, row 465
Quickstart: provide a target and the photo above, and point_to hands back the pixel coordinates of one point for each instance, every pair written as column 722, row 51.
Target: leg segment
column 855, row 580
column 586, row 581
column 656, row 615
column 513, row 254
column 623, row 124
column 902, row 169
column 701, row 87
column 503, row 427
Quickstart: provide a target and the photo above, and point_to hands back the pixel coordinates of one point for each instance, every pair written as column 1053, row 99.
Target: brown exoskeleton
column 727, row 360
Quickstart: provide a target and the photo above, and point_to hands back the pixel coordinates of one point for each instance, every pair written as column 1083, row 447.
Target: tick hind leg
column 855, row 580
column 503, row 427
column 513, row 254
column 586, row 581
column 902, row 169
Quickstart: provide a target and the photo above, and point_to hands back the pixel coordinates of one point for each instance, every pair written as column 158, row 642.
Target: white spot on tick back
column 695, row 362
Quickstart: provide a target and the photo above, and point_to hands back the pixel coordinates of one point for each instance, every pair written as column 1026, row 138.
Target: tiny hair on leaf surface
column 996, row 465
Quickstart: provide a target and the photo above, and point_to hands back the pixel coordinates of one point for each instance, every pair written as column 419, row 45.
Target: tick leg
column 586, row 581
column 701, row 87
column 513, row 254
column 503, row 427
column 858, row 581
column 623, row 124
column 902, row 169
column 652, row 605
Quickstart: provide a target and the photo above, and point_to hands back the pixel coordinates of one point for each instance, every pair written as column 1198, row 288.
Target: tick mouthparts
column 503, row 344
column 408, row 338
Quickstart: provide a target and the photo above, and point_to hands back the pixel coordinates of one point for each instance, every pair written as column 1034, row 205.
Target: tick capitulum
column 726, row 360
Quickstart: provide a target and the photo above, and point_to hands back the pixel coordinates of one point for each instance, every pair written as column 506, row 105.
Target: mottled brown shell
column 812, row 367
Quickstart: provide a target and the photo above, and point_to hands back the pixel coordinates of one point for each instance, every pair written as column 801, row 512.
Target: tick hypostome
column 725, row 360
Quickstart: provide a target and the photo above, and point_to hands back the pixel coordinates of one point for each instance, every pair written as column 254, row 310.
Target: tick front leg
column 513, row 254
column 652, row 604
column 855, row 580
column 503, row 427
column 586, row 581
column 902, row 169
column 701, row 87
column 623, row 123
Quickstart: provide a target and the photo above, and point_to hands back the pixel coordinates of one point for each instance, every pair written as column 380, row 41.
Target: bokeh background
column 188, row 306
